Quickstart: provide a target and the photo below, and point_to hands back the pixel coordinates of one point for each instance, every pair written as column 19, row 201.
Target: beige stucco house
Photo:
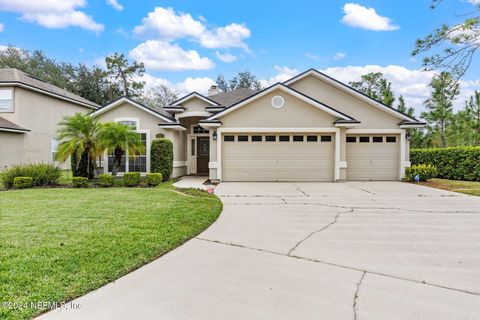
column 30, row 110
column 309, row 128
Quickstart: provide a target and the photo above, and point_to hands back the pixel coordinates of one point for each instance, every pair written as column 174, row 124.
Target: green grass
column 467, row 187
column 58, row 244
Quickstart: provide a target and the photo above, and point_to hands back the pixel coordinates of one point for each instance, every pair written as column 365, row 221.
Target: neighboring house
column 309, row 128
column 30, row 110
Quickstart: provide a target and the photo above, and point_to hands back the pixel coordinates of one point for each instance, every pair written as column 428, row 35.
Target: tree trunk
column 117, row 160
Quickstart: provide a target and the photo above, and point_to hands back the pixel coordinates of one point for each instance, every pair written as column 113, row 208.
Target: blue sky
column 186, row 44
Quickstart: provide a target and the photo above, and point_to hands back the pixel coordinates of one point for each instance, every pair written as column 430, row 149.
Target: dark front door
column 203, row 154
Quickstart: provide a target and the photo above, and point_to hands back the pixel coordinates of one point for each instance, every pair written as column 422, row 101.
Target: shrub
column 161, row 157
column 424, row 171
column 22, row 182
column 131, row 179
column 153, row 179
column 80, row 182
column 455, row 163
column 105, row 180
column 85, row 167
column 42, row 174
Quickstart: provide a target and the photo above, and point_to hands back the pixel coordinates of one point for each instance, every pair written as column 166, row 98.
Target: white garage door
column 278, row 157
column 372, row 157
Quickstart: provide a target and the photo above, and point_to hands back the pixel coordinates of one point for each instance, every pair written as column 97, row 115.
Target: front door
column 203, row 154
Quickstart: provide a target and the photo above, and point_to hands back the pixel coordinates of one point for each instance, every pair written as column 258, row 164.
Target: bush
column 22, row 182
column 84, row 167
column 42, row 174
column 161, row 157
column 153, row 179
column 80, row 182
column 424, row 171
column 131, row 179
column 105, row 180
column 455, row 163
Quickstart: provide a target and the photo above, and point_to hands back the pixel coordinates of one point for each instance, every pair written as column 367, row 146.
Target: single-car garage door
column 372, row 157
column 278, row 157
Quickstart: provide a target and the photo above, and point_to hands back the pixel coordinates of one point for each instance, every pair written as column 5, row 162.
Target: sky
column 187, row 44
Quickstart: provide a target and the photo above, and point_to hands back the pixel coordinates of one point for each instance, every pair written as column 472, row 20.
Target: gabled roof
column 6, row 125
column 15, row 77
column 134, row 103
column 352, row 91
column 191, row 96
column 288, row 90
column 228, row 98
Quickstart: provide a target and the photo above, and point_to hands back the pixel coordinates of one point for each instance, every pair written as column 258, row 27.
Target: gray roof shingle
column 226, row 99
column 5, row 124
column 12, row 75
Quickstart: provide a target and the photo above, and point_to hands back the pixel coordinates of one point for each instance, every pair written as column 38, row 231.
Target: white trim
column 14, row 130
column 285, row 89
column 174, row 127
column 133, row 103
column 347, row 125
column 128, row 119
column 412, row 126
column 193, row 114
column 178, row 164
column 212, row 165
column 374, row 131
column 148, row 143
column 214, row 109
column 210, row 124
column 220, row 131
column 349, row 90
column 342, row 164
column 194, row 95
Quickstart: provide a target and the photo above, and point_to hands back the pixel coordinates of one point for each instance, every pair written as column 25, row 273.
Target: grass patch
column 467, row 187
column 58, row 244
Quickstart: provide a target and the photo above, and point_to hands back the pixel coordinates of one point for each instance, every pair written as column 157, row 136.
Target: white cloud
column 53, row 13
column 2, row 27
column 184, row 87
column 475, row 2
column 165, row 56
column 312, row 56
column 168, row 25
column 358, row 16
column 226, row 57
column 115, row 5
column 339, row 56
column 283, row 74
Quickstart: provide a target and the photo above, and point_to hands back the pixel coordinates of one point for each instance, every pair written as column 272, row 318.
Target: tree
column 159, row 97
column 452, row 47
column 473, row 108
column 122, row 71
column 244, row 79
column 374, row 85
column 94, row 85
column 117, row 138
column 78, row 137
column 439, row 105
column 404, row 109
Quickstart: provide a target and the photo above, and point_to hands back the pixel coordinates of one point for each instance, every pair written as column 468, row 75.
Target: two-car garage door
column 278, row 157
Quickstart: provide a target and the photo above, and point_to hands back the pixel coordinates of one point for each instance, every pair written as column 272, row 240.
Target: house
column 309, row 128
column 30, row 110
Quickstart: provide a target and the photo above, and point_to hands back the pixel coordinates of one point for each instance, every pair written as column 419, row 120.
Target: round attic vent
column 278, row 102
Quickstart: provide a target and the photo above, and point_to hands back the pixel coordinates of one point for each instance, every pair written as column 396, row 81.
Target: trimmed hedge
column 22, row 182
column 455, row 163
column 161, row 157
column 423, row 171
column 42, row 174
column 131, row 179
column 80, row 182
column 105, row 180
column 153, row 179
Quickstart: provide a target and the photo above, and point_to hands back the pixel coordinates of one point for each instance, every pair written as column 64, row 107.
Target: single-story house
column 309, row 128
column 30, row 110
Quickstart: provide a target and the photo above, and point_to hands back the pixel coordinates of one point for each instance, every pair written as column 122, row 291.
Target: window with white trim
column 131, row 162
column 6, row 100
column 131, row 123
column 54, row 143
column 199, row 130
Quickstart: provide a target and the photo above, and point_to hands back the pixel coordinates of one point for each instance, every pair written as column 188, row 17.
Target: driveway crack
column 300, row 190
column 319, row 230
column 356, row 296
column 364, row 190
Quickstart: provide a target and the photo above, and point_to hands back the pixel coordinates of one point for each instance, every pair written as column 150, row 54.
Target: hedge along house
column 309, row 128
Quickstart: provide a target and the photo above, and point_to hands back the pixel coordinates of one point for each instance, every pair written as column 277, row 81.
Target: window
column 242, row 138
column 256, row 138
column 134, row 162
column 131, row 123
column 351, row 139
column 326, row 138
column 312, row 138
column 298, row 138
column 6, row 100
column 54, row 147
column 228, row 138
column 271, row 138
column 364, row 139
column 192, row 151
column 198, row 129
column 377, row 139
column 284, row 138
column 391, row 139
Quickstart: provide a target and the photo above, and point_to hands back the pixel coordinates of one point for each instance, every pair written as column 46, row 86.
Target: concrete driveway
column 356, row 250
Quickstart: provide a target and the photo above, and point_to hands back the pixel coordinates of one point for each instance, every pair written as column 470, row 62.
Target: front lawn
column 58, row 244
column 467, row 187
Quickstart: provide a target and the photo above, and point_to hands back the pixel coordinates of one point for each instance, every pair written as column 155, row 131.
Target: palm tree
column 117, row 138
column 78, row 137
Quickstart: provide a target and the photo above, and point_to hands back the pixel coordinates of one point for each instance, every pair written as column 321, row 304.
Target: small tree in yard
column 161, row 154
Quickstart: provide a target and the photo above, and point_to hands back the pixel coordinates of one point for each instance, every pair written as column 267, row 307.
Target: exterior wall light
column 214, row 136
